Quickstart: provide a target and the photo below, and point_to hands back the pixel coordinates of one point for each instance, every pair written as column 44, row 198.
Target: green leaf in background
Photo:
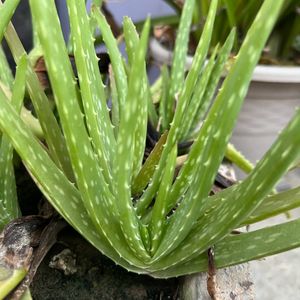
column 6, row 12
column 6, row 76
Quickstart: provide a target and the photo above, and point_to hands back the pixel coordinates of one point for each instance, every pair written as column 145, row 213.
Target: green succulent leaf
column 91, row 88
column 6, row 76
column 115, row 114
column 148, row 168
column 274, row 205
column 125, row 158
column 132, row 40
column 115, row 57
column 9, row 208
column 258, row 244
column 48, row 122
column 197, row 98
column 238, row 159
column 159, row 212
column 163, row 98
column 239, row 248
column 9, row 279
column 7, row 10
column 214, row 80
column 180, row 52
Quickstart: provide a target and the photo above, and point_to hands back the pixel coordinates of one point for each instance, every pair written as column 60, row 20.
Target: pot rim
column 263, row 73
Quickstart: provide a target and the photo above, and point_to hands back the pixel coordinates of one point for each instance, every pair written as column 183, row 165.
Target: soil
column 83, row 273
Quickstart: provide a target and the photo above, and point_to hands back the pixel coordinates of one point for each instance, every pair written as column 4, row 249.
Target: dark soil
column 94, row 277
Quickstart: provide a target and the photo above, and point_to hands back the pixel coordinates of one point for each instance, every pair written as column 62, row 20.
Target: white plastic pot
column 273, row 95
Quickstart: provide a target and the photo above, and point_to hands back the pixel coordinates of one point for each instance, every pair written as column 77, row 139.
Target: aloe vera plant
column 140, row 214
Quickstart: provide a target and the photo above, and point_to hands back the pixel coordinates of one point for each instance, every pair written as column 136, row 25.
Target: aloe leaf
column 196, row 100
column 159, row 210
column 115, row 56
column 240, row 248
column 156, row 87
column 183, row 99
column 115, row 114
column 230, row 7
column 296, row 164
column 238, row 159
column 213, row 81
column 6, row 76
column 209, row 148
column 7, row 10
column 274, row 205
column 51, row 129
column 32, row 122
column 164, row 97
column 26, row 295
column 290, row 34
column 230, row 10
column 180, row 51
column 130, row 224
column 8, row 194
column 148, row 168
column 95, row 193
column 26, row 116
column 97, row 3
column 132, row 40
column 91, row 88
